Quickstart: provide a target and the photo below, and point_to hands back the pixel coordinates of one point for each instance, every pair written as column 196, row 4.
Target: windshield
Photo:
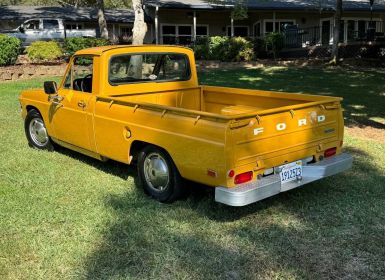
column 148, row 67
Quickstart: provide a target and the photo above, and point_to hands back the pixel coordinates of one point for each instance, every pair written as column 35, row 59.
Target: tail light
column 330, row 152
column 243, row 177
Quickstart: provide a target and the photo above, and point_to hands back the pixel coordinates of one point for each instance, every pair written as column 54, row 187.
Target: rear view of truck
column 277, row 141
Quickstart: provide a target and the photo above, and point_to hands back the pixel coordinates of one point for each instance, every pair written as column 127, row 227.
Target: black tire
column 153, row 164
column 36, row 132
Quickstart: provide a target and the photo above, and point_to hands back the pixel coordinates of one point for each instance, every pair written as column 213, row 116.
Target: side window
column 79, row 77
column 148, row 67
column 50, row 24
column 31, row 24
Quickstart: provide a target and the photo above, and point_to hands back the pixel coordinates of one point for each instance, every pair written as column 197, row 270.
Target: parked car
column 46, row 29
column 144, row 105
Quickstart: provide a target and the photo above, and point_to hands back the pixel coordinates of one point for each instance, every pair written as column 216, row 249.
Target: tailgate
column 272, row 139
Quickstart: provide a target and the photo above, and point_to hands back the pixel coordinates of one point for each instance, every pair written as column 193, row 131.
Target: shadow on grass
column 112, row 167
column 327, row 229
column 363, row 91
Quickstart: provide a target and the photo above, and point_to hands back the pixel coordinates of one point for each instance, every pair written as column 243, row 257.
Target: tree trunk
column 102, row 20
column 336, row 32
column 140, row 26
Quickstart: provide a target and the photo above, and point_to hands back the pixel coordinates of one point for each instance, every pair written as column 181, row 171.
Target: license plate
column 290, row 172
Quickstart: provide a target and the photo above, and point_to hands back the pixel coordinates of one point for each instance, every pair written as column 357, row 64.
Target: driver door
column 32, row 31
column 71, row 116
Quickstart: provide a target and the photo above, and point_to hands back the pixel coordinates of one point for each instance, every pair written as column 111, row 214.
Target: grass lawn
column 66, row 216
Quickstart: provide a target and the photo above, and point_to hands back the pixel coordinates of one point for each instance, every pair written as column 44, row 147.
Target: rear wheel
column 36, row 131
column 159, row 175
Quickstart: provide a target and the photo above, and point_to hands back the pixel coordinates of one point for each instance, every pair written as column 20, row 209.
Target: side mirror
column 50, row 87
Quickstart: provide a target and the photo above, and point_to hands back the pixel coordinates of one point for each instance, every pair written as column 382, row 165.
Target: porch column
column 113, row 31
column 231, row 26
column 195, row 27
column 273, row 21
column 156, row 25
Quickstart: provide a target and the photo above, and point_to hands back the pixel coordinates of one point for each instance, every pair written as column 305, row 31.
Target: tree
column 336, row 32
column 140, row 26
column 102, row 19
column 100, row 12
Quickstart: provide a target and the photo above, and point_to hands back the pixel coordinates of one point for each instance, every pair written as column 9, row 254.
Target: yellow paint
column 201, row 127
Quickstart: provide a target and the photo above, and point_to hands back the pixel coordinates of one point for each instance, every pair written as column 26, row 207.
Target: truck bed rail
column 224, row 118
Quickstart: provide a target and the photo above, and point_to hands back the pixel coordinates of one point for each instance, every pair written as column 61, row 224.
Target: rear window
column 148, row 67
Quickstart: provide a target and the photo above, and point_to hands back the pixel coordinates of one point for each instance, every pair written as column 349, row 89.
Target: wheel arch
column 31, row 107
column 138, row 145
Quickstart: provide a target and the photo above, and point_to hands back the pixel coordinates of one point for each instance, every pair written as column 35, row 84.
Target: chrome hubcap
column 38, row 132
column 156, row 172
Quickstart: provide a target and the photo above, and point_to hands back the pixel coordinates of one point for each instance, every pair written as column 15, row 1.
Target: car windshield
column 148, row 67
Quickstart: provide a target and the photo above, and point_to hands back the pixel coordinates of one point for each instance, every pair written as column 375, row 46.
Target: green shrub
column 224, row 49
column 239, row 49
column 218, row 47
column 259, row 47
column 275, row 42
column 9, row 49
column 40, row 51
column 72, row 45
column 202, row 48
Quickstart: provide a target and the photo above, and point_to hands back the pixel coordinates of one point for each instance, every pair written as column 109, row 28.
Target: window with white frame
column 182, row 34
column 125, row 30
column 278, row 25
column 239, row 31
column 74, row 26
column 185, row 33
column 202, row 31
column 169, row 34
column 358, row 28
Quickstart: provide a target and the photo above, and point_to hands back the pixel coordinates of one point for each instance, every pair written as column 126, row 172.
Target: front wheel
column 36, row 131
column 159, row 175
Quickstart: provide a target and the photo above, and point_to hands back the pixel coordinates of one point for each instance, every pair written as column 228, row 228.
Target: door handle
column 81, row 104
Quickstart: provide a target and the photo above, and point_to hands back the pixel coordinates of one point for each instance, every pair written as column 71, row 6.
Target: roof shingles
column 66, row 13
column 352, row 5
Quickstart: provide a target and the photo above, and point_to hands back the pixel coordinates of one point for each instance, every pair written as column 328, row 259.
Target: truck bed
column 222, row 102
column 254, row 126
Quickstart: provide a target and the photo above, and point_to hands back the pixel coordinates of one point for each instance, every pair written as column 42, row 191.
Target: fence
column 351, row 32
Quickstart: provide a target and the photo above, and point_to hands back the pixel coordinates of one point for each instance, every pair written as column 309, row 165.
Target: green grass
column 363, row 91
column 66, row 216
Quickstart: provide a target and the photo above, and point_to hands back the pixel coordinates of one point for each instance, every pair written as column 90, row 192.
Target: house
column 309, row 21
column 119, row 21
column 305, row 22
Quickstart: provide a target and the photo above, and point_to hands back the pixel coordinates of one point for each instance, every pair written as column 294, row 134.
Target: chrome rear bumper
column 271, row 185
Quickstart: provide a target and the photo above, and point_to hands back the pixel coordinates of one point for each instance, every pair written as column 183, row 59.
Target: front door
column 326, row 32
column 71, row 116
column 32, row 31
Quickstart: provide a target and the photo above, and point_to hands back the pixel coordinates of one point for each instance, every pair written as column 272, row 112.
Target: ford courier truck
column 143, row 105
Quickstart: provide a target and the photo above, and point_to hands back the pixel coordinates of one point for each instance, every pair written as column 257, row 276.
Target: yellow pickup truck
column 143, row 105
